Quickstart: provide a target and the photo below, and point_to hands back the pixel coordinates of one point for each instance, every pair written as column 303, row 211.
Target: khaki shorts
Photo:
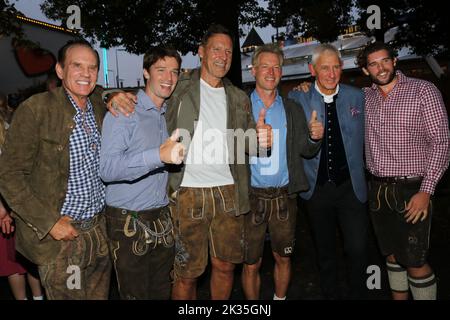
column 275, row 210
column 205, row 219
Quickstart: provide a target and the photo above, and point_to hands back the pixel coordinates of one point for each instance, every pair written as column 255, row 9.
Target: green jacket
column 34, row 169
column 183, row 111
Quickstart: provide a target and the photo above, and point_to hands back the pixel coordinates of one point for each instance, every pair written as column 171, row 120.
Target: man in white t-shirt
column 210, row 191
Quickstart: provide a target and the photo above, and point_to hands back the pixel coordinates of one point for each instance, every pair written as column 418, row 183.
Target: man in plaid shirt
column 407, row 152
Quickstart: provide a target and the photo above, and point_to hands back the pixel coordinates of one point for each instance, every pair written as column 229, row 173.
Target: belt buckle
column 87, row 224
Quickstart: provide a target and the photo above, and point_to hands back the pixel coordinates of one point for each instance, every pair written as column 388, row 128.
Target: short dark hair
column 361, row 59
column 213, row 30
column 155, row 53
column 62, row 53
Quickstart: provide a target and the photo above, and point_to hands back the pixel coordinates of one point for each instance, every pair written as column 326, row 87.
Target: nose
column 85, row 71
column 332, row 73
column 169, row 76
column 380, row 67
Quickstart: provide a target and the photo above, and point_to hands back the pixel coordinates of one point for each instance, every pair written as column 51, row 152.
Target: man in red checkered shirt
column 407, row 152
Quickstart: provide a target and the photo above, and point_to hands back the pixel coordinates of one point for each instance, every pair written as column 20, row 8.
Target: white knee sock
column 423, row 288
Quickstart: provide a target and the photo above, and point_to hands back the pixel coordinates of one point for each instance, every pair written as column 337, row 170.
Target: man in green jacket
column 49, row 176
column 210, row 191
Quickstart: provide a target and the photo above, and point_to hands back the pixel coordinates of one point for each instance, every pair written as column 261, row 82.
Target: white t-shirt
column 207, row 163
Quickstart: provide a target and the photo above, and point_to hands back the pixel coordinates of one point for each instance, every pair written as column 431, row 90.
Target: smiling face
column 162, row 77
column 380, row 67
column 78, row 73
column 267, row 71
column 327, row 70
column 216, row 58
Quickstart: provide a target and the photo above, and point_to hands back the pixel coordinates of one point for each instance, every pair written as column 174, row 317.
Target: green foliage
column 9, row 25
column 422, row 25
column 138, row 24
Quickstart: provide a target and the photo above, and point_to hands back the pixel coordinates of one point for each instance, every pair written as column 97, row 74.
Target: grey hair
column 269, row 48
column 321, row 49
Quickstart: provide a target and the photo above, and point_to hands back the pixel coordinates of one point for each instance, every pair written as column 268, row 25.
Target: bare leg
column 281, row 274
column 222, row 275
column 35, row 285
column 251, row 280
column 17, row 285
column 184, row 289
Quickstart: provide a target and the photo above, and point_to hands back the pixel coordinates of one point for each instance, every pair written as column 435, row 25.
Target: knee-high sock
column 423, row 288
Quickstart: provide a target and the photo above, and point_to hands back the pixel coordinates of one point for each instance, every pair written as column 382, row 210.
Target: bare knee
column 281, row 261
column 222, row 266
column 420, row 272
column 391, row 259
column 186, row 282
column 252, row 268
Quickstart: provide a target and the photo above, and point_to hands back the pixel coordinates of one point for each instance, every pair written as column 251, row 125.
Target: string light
column 45, row 24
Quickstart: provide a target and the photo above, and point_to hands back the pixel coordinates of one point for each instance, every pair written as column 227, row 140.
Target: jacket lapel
column 68, row 112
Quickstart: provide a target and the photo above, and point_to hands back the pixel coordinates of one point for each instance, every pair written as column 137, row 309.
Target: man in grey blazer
column 338, row 190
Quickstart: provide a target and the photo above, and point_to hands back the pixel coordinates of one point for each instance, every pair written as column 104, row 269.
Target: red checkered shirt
column 406, row 133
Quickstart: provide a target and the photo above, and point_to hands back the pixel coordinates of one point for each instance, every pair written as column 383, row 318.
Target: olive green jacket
column 34, row 169
column 183, row 112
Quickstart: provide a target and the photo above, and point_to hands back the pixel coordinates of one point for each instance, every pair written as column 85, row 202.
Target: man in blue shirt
column 134, row 152
column 276, row 179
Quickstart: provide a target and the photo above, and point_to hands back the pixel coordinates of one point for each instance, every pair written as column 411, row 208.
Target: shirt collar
column 144, row 102
column 77, row 107
column 328, row 98
column 255, row 96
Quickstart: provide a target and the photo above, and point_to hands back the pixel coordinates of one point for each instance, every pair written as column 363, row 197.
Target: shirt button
column 330, row 168
column 59, row 148
column 329, row 129
column 329, row 152
column 329, row 137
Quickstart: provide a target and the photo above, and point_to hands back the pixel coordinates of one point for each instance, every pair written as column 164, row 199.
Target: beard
column 384, row 82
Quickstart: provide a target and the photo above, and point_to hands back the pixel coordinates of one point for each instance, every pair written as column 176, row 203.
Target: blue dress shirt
column 129, row 159
column 271, row 171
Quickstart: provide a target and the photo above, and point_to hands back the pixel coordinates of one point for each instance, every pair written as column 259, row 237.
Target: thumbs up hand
column 172, row 151
column 315, row 127
column 264, row 131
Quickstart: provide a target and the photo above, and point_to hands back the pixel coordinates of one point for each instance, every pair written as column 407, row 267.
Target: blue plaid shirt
column 85, row 192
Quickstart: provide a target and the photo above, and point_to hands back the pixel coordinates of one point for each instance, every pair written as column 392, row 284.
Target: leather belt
column 399, row 179
column 86, row 224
